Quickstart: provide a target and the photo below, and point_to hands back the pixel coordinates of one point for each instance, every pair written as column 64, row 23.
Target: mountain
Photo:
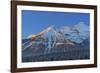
column 65, row 43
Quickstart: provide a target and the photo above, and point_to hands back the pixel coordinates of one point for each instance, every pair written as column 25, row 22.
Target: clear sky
column 35, row 21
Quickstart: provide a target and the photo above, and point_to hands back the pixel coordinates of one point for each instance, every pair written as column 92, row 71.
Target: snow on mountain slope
column 66, row 34
column 76, row 33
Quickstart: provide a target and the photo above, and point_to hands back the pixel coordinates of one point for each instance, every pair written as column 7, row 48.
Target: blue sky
column 35, row 21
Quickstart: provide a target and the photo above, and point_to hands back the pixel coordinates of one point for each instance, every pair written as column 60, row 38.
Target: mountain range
column 71, row 42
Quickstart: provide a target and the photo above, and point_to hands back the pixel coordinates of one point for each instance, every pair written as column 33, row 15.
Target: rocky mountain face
column 65, row 43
